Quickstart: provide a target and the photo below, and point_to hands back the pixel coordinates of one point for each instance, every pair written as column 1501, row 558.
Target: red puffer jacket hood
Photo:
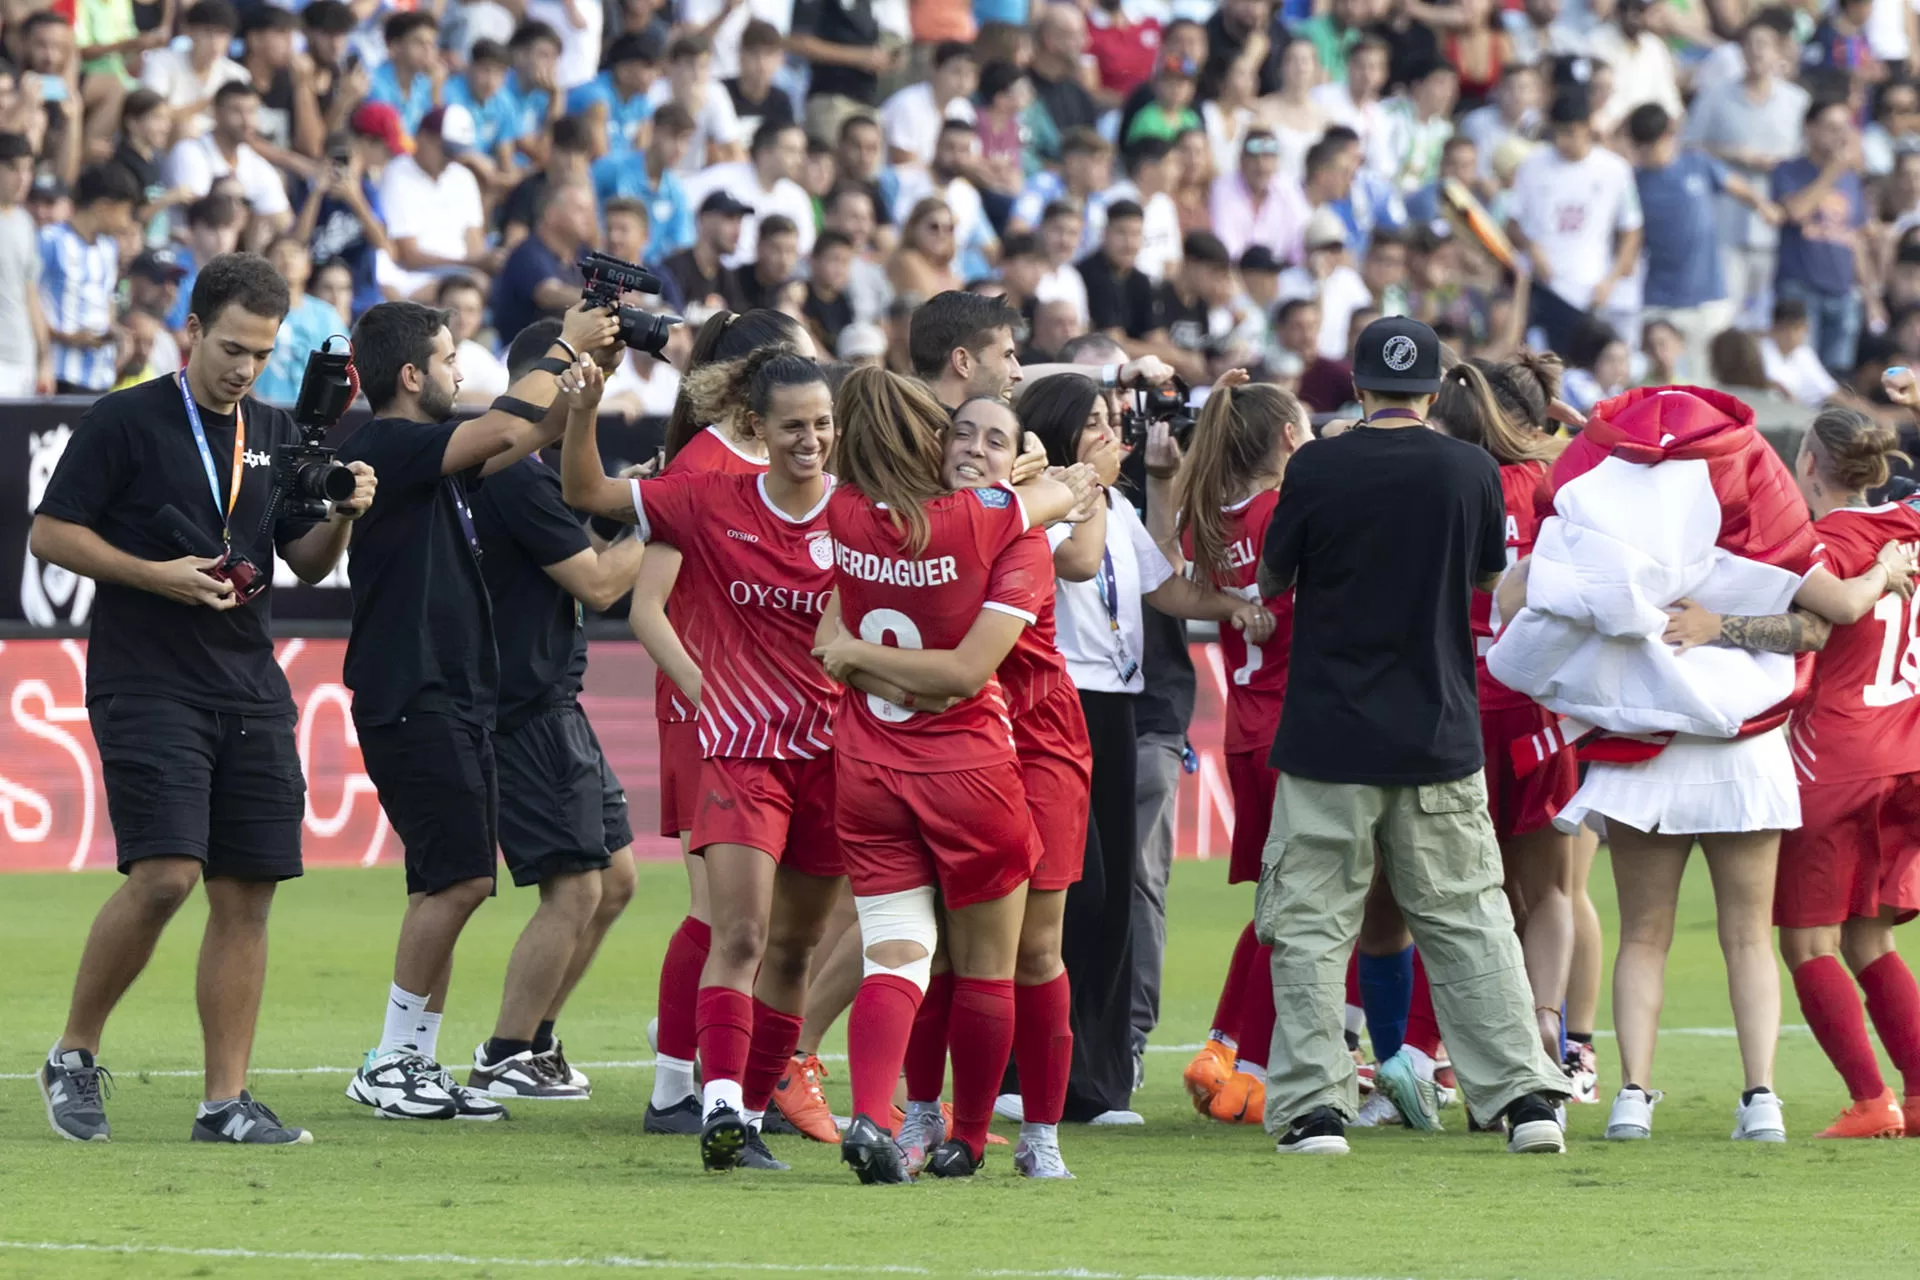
column 1763, row 517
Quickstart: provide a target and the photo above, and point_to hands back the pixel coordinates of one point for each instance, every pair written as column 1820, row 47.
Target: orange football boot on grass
column 1879, row 1117
column 800, row 1100
column 1211, row 1068
column 1241, row 1099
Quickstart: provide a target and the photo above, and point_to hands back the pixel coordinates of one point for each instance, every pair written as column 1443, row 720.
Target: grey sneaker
column 247, row 1120
column 1038, row 1156
column 71, row 1085
column 923, row 1129
column 520, row 1076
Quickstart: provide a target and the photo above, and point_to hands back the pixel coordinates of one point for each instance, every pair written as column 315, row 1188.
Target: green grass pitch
column 577, row 1187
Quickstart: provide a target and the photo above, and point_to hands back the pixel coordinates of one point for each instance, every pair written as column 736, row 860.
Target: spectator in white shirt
column 1060, row 242
column 725, row 22
column 435, row 220
column 188, row 80
column 195, row 163
column 1255, row 205
column 1147, row 186
column 1539, row 33
column 1356, row 103
column 768, row 181
column 1329, row 280
column 912, row 117
column 579, row 23
column 1642, row 65
column 1513, row 113
column 690, row 82
column 482, row 374
column 1791, row 362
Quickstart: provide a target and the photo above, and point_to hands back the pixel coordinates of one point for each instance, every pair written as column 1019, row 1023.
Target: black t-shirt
column 755, row 293
column 524, row 526
column 145, row 171
column 1067, row 102
column 522, row 204
column 1224, row 49
column 1384, row 531
column 422, row 638
column 133, row 454
column 848, row 22
column 696, row 284
column 274, row 118
column 775, row 108
column 832, row 317
column 1116, row 301
column 1186, row 323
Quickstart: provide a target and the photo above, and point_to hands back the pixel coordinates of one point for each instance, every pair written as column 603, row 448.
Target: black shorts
column 216, row 786
column 561, row 808
column 435, row 777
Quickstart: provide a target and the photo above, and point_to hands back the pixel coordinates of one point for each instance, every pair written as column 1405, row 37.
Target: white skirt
column 1696, row 785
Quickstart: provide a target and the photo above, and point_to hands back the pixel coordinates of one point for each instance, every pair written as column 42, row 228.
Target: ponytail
column 1470, row 409
column 892, row 447
column 1852, row 449
column 724, row 336
column 1236, row 450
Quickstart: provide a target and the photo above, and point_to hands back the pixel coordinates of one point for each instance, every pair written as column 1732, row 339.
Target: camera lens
column 324, row 482
column 646, row 330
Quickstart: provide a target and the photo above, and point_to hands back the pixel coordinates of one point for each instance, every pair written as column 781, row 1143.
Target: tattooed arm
column 1795, row 632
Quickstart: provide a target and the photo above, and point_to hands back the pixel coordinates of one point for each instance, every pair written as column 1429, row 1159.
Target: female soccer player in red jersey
column 1846, row 876
column 757, row 567
column 928, row 797
column 1224, row 494
column 694, row 443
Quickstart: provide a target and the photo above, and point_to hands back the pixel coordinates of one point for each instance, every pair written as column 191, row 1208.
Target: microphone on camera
column 188, row 536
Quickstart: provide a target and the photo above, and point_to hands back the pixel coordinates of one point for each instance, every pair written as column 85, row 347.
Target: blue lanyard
column 1123, row 662
column 206, row 458
column 465, row 515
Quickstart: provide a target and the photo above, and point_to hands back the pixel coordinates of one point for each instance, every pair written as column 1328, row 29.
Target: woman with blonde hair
column 923, row 264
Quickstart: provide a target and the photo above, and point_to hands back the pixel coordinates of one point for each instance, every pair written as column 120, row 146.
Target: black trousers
column 1097, row 935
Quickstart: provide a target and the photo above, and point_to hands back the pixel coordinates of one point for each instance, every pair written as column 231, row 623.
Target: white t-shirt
column 435, row 214
column 169, row 73
column 194, row 163
column 1341, row 294
column 740, row 181
column 1887, row 29
column 1098, row 657
column 1370, row 121
column 656, row 391
column 726, row 38
column 1570, row 212
column 912, row 123
column 482, row 373
column 579, row 46
column 1065, row 284
column 1799, row 371
column 717, row 124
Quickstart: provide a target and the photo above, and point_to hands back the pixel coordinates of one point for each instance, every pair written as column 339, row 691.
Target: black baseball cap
column 724, row 202
column 162, row 266
column 1398, row 355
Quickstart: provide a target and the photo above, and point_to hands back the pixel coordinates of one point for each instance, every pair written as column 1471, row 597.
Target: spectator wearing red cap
column 341, row 218
column 435, row 219
column 194, row 163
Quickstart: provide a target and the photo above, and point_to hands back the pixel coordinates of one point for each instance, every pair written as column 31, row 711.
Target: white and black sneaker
column 469, row 1103
column 1320, row 1132
column 71, row 1083
column 519, row 1076
column 402, row 1085
column 1536, row 1126
column 246, row 1120
column 553, row 1063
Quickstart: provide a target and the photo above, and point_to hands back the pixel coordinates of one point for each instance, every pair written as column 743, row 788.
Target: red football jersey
column 1034, row 669
column 1520, row 486
column 1861, row 718
column 755, row 582
column 1256, row 673
column 929, row 601
column 709, row 450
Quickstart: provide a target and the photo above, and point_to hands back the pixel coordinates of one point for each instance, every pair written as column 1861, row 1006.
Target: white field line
column 646, row 1064
column 614, row 1263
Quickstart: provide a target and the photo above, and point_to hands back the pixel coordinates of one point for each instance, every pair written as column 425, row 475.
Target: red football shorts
column 967, row 831
column 1518, row 804
column 1056, row 769
column 679, row 776
column 781, row 807
column 1857, row 850
column 1252, row 781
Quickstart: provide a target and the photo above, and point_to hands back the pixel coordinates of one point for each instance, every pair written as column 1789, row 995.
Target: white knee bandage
column 906, row 916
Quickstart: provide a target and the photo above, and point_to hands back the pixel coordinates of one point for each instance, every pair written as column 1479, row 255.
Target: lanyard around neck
column 206, row 458
column 1403, row 415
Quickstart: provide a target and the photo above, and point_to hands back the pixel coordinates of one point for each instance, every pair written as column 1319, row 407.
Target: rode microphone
column 228, row 566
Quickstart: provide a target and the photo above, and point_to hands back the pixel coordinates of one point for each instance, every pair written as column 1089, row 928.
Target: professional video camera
column 608, row 278
column 1146, row 405
column 305, row 475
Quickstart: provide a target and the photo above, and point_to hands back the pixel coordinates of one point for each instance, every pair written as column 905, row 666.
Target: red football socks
column 723, row 1019
column 1226, row 1014
column 1423, row 1029
column 927, row 1047
column 1043, row 1048
column 679, row 985
column 982, row 1039
column 878, row 1026
column 775, row 1036
column 1832, row 1007
column 1255, row 1035
column 1893, row 1001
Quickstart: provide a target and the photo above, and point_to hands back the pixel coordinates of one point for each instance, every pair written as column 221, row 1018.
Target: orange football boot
column 1210, row 1069
column 800, row 1100
column 1241, row 1099
column 1879, row 1117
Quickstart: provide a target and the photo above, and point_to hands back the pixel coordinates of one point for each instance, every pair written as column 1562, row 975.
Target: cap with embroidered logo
column 1397, row 355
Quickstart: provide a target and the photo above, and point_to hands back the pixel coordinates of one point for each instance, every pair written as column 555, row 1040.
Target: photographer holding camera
column 165, row 498
column 421, row 660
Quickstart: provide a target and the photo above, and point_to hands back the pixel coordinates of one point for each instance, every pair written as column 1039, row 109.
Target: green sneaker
column 1414, row 1093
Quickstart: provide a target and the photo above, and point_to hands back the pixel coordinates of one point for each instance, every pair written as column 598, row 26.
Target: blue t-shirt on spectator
column 1682, row 226
column 412, row 103
column 1817, row 252
column 305, row 330
column 177, row 317
column 623, row 175
column 624, row 119
column 495, row 121
column 528, row 110
column 529, row 265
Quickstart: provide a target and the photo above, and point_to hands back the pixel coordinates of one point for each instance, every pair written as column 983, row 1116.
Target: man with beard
column 422, row 665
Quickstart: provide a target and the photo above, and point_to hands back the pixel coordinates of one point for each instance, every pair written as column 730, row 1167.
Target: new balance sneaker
column 246, row 1120
column 1583, row 1070
column 723, row 1139
column 953, row 1159
column 1378, row 1112
column 922, row 1128
column 402, row 1085
column 1631, row 1119
column 799, row 1100
column 1242, row 1099
column 1879, row 1117
column 1407, row 1078
column 756, row 1156
column 518, row 1076
column 71, row 1083
column 869, row 1150
column 1758, row 1118
column 554, row 1065
column 1038, row 1156
column 1320, row 1132
column 681, row 1120
column 1211, row 1068
column 1535, row 1126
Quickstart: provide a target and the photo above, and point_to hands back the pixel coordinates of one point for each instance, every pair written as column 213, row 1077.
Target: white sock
column 1045, row 1134
column 672, row 1081
column 722, row 1093
column 219, row 1104
column 753, row 1118
column 1356, row 1019
column 1422, row 1064
column 427, row 1035
column 403, row 1015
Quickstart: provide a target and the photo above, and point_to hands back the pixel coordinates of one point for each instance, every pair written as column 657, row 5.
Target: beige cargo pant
column 1443, row 864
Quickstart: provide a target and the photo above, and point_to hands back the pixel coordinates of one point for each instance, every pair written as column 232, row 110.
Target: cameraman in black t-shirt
column 563, row 816
column 192, row 716
column 421, row 660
